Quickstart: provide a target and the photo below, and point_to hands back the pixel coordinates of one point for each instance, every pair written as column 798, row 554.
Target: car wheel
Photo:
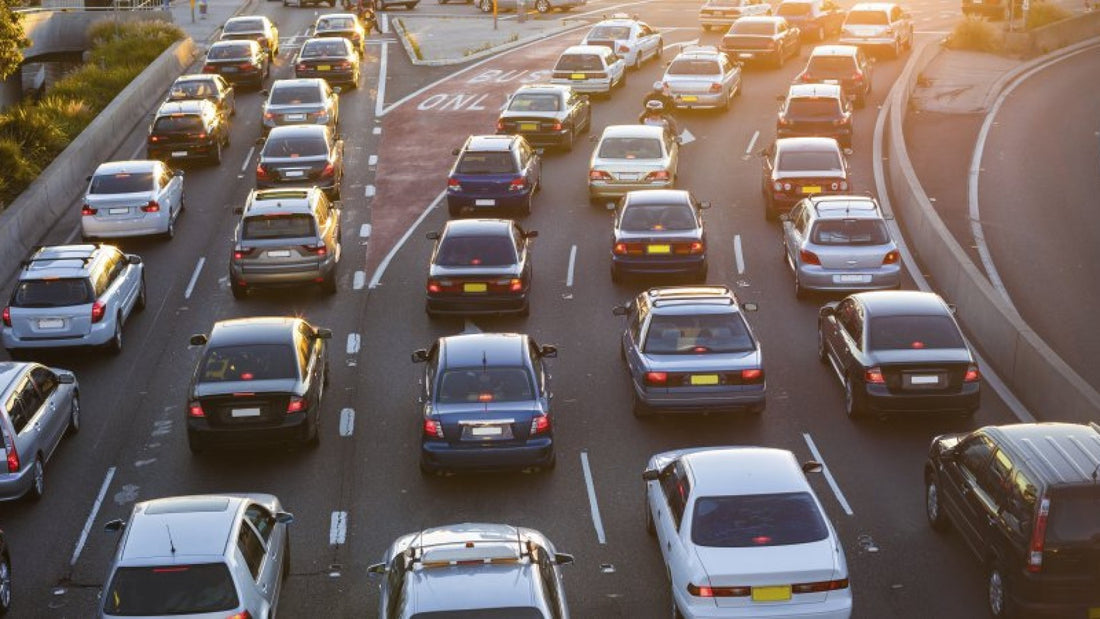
column 454, row 211
column 170, row 233
column 780, row 59
column 313, row 438
column 524, row 208
column 543, row 6
column 74, row 417
column 852, row 406
column 799, row 291
column 676, row 614
column 700, row 274
column 616, row 277
column 38, row 480
column 822, row 352
column 5, row 584
column 998, row 595
column 525, row 311
column 216, row 156
column 588, row 122
column 769, row 210
column 239, row 291
column 932, row 507
column 567, row 141
column 139, row 305
column 660, row 48
column 115, row 345
column 194, row 445
column 896, row 51
column 637, row 61
column 328, row 284
column 639, row 408
column 725, row 107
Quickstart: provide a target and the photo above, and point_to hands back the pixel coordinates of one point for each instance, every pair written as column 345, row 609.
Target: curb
column 403, row 35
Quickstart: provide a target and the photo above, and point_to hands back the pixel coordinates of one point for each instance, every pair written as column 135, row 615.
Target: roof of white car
column 192, row 525
column 834, row 50
column 633, row 131
column 728, row 471
column 122, row 167
column 586, row 49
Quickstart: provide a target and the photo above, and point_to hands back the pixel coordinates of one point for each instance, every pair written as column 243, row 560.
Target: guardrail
column 66, row 6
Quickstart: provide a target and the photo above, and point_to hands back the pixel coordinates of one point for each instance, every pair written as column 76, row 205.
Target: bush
column 19, row 170
column 975, row 33
column 1040, row 14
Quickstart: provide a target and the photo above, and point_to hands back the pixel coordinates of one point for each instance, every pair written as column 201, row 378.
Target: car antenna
column 171, row 544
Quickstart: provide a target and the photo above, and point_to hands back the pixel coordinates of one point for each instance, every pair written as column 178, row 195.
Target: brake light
column 842, row 121
column 206, row 68
column 433, row 429
column 13, row 454
column 246, row 65
column 518, row 184
column 809, row 257
column 623, row 49
column 515, row 285
column 659, row 175
column 556, row 126
column 7, row 316
column 301, row 67
column 972, row 374
column 783, row 121
column 195, row 410
column 329, row 170
column 704, row 591
column 319, row 250
column 243, row 253
column 244, row 614
column 891, row 257
column 806, row 78
column 296, row 405
column 154, row 138
column 261, row 172
column 716, row 88
column 434, row 286
column 598, row 175
column 820, row 587
column 656, row 378
column 269, row 116
column 87, row 210
column 874, row 376
column 453, row 184
column 540, row 424
column 500, row 125
column 753, row 375
column 857, row 76
column 696, row 247
column 619, row 248
column 98, row 310
column 201, row 135
column 152, row 207
column 1038, row 537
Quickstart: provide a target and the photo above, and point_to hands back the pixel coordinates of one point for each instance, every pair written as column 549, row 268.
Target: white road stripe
column 828, row 476
column 91, row 517
column 592, row 498
column 381, row 270
column 194, row 278
column 738, row 255
column 359, row 281
column 347, row 421
column 380, row 98
column 372, row 160
column 572, row 264
column 376, row 131
column 247, row 158
column 681, row 44
column 752, row 142
column 338, row 530
column 369, row 190
column 353, row 343
column 385, row 23
column 364, row 231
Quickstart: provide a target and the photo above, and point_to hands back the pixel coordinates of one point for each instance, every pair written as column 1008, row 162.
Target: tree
column 12, row 39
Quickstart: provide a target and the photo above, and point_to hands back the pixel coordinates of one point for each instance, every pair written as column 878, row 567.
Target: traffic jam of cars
column 740, row 529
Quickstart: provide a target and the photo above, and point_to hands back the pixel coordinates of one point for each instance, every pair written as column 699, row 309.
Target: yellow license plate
column 689, row 98
column 324, row 67
column 771, row 594
column 577, row 76
column 708, row 379
column 528, row 126
column 1094, row 612
column 659, row 249
column 475, row 287
column 811, row 189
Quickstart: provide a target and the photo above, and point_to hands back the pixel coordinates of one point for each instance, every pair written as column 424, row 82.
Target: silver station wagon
column 38, row 406
column 632, row 157
column 131, row 198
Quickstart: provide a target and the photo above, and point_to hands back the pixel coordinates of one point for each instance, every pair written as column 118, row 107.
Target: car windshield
column 809, row 161
column 913, row 332
column 1073, row 515
column 579, row 62
column 321, row 48
column 531, row 102
column 296, row 146
column 480, row 251
column 488, row 384
column 631, row 148
column 336, row 23
column 181, row 123
column 825, row 66
column 243, row 25
column 867, row 18
column 752, row 27
column 170, row 590
column 793, row 9
column 757, row 520
column 486, row 162
column 193, row 89
column 122, row 182
column 295, row 95
column 692, row 66
column 52, row 292
column 518, row 612
column 657, row 217
column 699, row 333
column 850, row 232
column 229, row 51
column 818, row 107
column 609, row 32
column 248, row 362
column 282, row 226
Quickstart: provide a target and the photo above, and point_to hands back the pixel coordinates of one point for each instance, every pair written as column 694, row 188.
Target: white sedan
column 635, row 41
column 743, row 535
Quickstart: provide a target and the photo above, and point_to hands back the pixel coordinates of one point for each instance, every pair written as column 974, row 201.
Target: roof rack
column 694, row 294
column 31, row 259
column 415, row 553
column 606, row 16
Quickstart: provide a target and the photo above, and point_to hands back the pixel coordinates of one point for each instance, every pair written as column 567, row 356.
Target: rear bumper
column 507, row 200
column 98, row 335
column 544, row 138
column 698, row 100
column 748, row 55
column 282, row 276
column 332, row 77
column 489, row 304
column 1042, row 595
column 294, row 429
column 838, row 605
column 652, row 266
column 879, row 400
column 93, row 228
column 588, row 85
column 189, row 151
column 15, row 485
column 689, row 400
column 612, row 189
column 327, row 185
column 436, row 455
column 886, row 277
column 867, row 41
column 840, row 134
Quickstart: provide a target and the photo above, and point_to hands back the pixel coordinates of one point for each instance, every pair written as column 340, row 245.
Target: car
column 131, row 198
column 5, row 576
column 239, row 62
column 485, row 404
column 546, row 115
column 878, row 24
column 690, row 349
column 898, row 352
column 187, row 130
column 305, row 3
column 762, row 38
column 542, row 6
column 494, row 171
column 721, row 14
column 798, row 167
column 845, row 65
column 480, row 266
column 302, row 101
column 258, row 28
column 659, row 231
column 743, row 534
column 701, row 77
column 815, row 19
column 39, row 406
column 301, row 156
column 1024, row 498
column 632, row 157
column 214, row 88
column 286, row 237
column 840, row 243
column 73, row 295
column 589, row 69
column 815, row 110
column 382, row 5
column 331, row 58
column 472, row 569
column 342, row 25
column 259, row 380
column 630, row 38
column 200, row 555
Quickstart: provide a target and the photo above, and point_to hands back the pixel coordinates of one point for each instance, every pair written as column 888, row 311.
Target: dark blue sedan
column 494, row 172
column 659, row 232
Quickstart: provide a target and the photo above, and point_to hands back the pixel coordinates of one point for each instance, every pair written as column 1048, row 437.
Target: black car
column 333, row 59
column 485, row 403
column 846, row 65
column 546, row 114
column 796, row 168
column 762, row 37
column 256, row 28
column 301, row 156
column 815, row 110
column 816, row 19
column 342, row 26
column 1025, row 499
column 898, row 351
column 259, row 380
column 659, row 231
column 184, row 130
column 5, row 575
column 213, row 88
column 480, row 266
column 240, row 62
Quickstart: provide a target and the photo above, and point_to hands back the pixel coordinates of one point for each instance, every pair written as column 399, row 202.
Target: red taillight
column 7, row 316
column 154, row 138
column 857, row 76
column 301, row 67
column 623, row 49
column 753, row 375
column 201, row 135
column 972, row 375
column 453, row 184
column 500, row 125
column 806, row 78
column 88, row 211
column 269, row 115
column 1038, row 537
column 434, row 286
column 540, row 424
column 518, row 184
column 261, row 172
column 329, row 170
column 891, row 257
column 246, row 65
column 598, row 175
column 874, row 376
column 13, row 455
column 242, row 253
column 820, row 587
column 195, row 410
column 98, row 310
column 319, row 250
column 783, row 120
column 244, row 614
column 433, row 429
column 209, row 69
column 704, row 591
column 619, row 248
column 808, row 257
column 657, row 379
column 152, row 207
column 715, row 88
column 597, row 76
column 693, row 248
column 296, row 405
column 515, row 285
column 659, row 175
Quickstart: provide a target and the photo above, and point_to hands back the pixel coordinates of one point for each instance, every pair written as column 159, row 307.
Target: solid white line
column 194, row 278
column 137, row 151
column 828, row 476
column 353, row 343
column 572, row 263
column 592, row 498
column 372, row 160
column 248, row 157
column 91, row 517
column 338, row 529
column 380, row 98
column 738, row 255
column 369, row 191
column 359, row 281
column 347, row 422
column 385, row 24
column 381, row 270
column 364, row 231
column 752, row 142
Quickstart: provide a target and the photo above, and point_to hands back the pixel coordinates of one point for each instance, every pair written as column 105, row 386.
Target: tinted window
column 248, row 362
column 517, row 612
column 693, row 66
column 579, row 62
column 229, row 52
column 485, row 251
column 850, row 232
column 180, row 123
column 814, row 108
column 867, row 18
column 827, row 66
column 496, row 162
column 714, row 333
column 485, row 385
column 193, row 89
column 752, row 28
column 277, row 227
column 913, row 332
column 655, row 217
column 1073, row 515
column 793, row 9
column 535, row 103
column 252, row 550
column 52, row 293
column 610, row 32
column 44, row 380
column 809, row 161
column 17, row 413
column 295, row 95
column 631, row 148
column 757, row 520
column 330, row 47
column 244, row 25
column 261, row 519
column 123, row 182
column 296, row 146
column 170, row 590
column 336, row 23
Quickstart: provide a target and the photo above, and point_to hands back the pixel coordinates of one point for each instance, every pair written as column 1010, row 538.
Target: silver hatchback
column 702, row 77
column 840, row 243
column 38, row 406
column 301, row 101
column 131, row 198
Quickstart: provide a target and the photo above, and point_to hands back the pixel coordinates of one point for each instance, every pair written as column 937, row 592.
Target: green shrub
column 1041, row 14
column 975, row 33
column 70, row 115
column 19, row 170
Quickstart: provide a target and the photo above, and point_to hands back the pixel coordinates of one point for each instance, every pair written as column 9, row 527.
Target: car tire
column 194, row 445
column 170, row 233
column 933, row 508
column 216, row 156
column 769, row 210
column 543, row 6
column 660, row 49
column 239, row 291
column 141, row 301
column 5, row 584
column 74, row 417
column 524, row 209
column 853, row 408
column 639, row 408
column 567, row 141
column 799, row 291
column 616, row 278
column 38, row 480
column 895, row 52
column 525, row 311
column 328, row 284
column 637, row 61
column 779, row 59
column 114, row 346
column 313, row 438
column 822, row 352
column 998, row 599
column 700, row 275
column 588, row 122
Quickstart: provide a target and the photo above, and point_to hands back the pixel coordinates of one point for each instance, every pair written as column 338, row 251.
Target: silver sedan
column 131, row 198
column 702, row 77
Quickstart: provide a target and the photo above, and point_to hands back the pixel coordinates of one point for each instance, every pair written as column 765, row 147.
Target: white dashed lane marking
column 347, row 422
column 338, row 529
column 353, row 343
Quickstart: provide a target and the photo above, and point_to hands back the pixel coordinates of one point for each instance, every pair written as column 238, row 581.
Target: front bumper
column 436, row 455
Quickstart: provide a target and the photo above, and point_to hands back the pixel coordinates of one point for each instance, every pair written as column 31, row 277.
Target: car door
column 651, row 40
column 167, row 190
column 965, row 496
column 262, row 521
column 675, row 488
column 632, row 340
column 847, row 336
column 256, row 592
column 792, row 237
column 53, row 407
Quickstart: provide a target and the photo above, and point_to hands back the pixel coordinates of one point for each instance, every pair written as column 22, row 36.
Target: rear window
column 657, row 217
column 850, row 232
column 483, row 251
column 52, row 293
column 535, row 103
column 178, row 124
column 296, row 146
column 686, row 66
column 295, row 95
column 867, row 18
column 631, row 148
column 170, row 590
column 1073, row 515
column 913, row 332
column 123, row 182
column 248, row 362
column 579, row 62
column 193, row 89
column 336, row 23
column 320, row 49
column 809, row 161
column 485, row 385
column 518, row 612
column 702, row 333
column 229, row 51
column 495, row 162
column 244, row 25
column 814, row 108
column 793, row 9
column 609, row 32
column 277, row 227
column 752, row 27
column 824, row 66
column 753, row 521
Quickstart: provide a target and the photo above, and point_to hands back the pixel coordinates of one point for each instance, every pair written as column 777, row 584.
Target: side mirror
column 780, row 98
column 432, row 236
column 238, row 210
column 620, row 310
column 456, row 151
column 549, row 351
column 132, row 259
column 259, row 140
column 178, row 173
column 784, row 217
column 337, row 89
column 114, row 526
column 812, row 466
column 650, row 475
column 593, row 138
column 323, row 334
column 563, row 559
column 284, row 517
column 749, row 307
column 420, row 355
column 66, row 379
column 88, row 178
column 199, row 339
column 378, row 569
column 704, row 205
column 265, row 92
column 530, row 234
column 954, row 308
column 827, row 310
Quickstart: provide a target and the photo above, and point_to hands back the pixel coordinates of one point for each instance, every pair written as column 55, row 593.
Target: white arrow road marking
column 686, row 137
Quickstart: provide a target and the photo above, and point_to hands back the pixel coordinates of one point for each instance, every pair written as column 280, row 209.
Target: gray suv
column 38, row 405
column 73, row 295
column 286, row 237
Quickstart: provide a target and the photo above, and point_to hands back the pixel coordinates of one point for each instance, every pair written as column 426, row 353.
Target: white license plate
column 294, row 173
column 486, row 431
column 834, row 82
column 924, row 379
column 851, row 279
column 485, row 202
column 51, row 323
column 279, row 253
column 229, row 69
column 179, row 153
column 245, row 412
column 295, row 116
column 629, row 177
column 117, row 211
column 744, row 55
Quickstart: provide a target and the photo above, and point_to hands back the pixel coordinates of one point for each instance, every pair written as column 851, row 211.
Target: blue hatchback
column 494, row 171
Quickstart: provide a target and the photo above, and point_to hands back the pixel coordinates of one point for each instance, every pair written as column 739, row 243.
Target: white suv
column 878, row 24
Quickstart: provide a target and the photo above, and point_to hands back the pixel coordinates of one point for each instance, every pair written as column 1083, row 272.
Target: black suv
column 184, row 130
column 1025, row 497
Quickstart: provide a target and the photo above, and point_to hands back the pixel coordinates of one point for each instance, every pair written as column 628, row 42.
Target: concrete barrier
column 1053, row 36
column 1041, row 380
column 30, row 217
column 61, row 31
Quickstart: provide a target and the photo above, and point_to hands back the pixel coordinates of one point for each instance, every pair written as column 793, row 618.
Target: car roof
column 658, row 196
column 132, row 165
column 806, row 144
column 769, row 19
column 470, row 349
column 297, row 81
column 63, row 261
column 873, row 6
column 246, row 18
column 297, row 130
column 290, row 199
column 706, row 51
column 555, row 88
column 491, row 143
column 729, row 471
column 798, row 91
column 586, row 49
column 694, row 299
column 902, row 303
column 197, row 525
column 233, row 43
column 845, row 207
column 9, row 371
column 186, row 106
column 477, row 227
column 253, row 330
column 633, row 131
column 1062, row 453
column 350, row 16
column 834, row 50
column 197, row 77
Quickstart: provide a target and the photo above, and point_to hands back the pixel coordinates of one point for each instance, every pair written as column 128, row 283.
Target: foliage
column 1042, row 13
column 976, row 33
column 12, row 39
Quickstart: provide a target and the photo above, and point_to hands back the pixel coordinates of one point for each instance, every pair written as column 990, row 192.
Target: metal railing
column 91, row 5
